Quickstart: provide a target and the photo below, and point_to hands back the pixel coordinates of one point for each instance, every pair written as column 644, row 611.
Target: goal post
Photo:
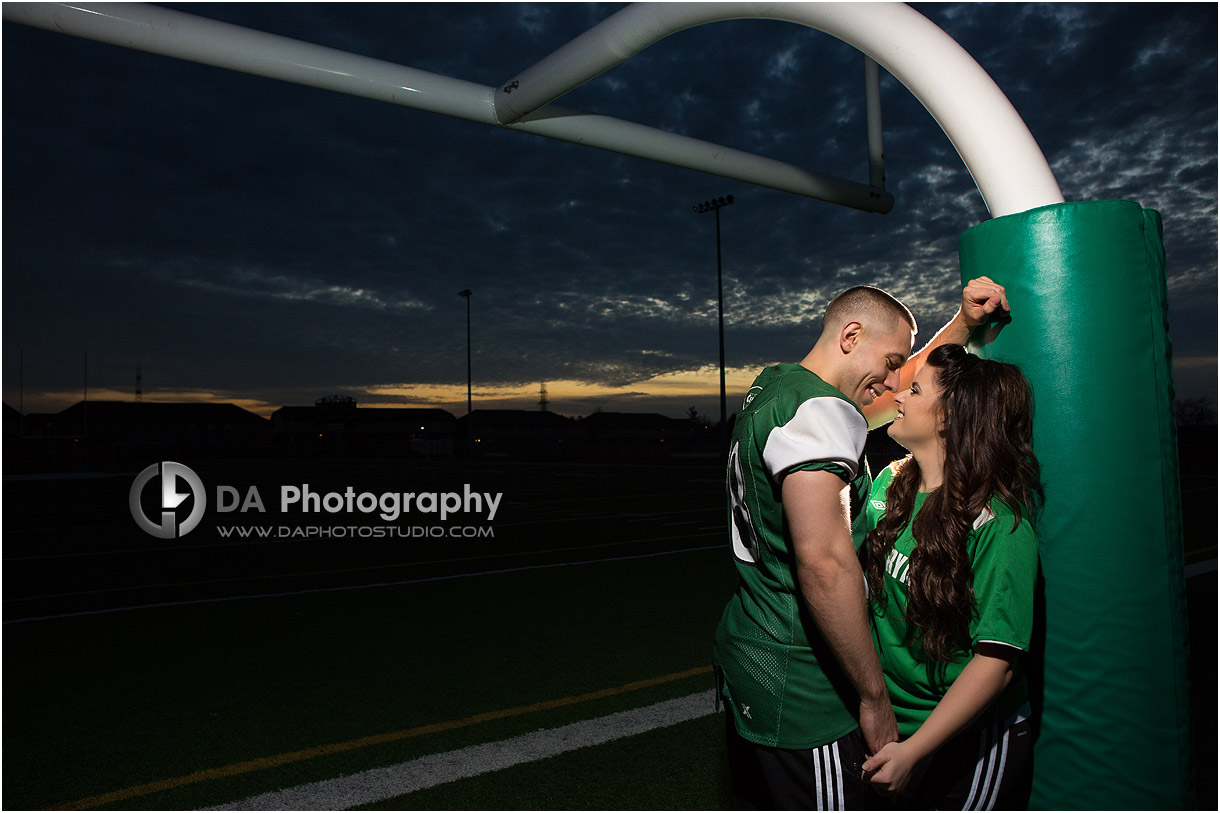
column 1086, row 282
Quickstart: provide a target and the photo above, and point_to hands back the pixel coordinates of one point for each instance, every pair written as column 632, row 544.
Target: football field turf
column 204, row 670
column 561, row 663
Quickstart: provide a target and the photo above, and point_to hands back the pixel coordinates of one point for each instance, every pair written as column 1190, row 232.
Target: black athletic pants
column 826, row 778
column 986, row 767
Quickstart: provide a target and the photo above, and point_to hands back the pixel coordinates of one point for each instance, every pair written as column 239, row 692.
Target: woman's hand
column 889, row 771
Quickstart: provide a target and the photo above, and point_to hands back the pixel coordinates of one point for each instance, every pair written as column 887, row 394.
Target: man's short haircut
column 865, row 303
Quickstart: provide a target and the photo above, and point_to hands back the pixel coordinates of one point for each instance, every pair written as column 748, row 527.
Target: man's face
column 878, row 358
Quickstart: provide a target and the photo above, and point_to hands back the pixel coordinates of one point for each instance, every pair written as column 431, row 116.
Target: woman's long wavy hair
column 988, row 411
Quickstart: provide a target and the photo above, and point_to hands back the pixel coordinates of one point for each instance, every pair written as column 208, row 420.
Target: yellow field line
column 263, row 763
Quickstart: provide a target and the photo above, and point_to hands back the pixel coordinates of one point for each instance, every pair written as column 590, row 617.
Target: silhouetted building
column 33, row 424
column 647, row 436
column 602, row 436
column 520, row 434
column 12, row 423
column 124, row 431
column 335, row 426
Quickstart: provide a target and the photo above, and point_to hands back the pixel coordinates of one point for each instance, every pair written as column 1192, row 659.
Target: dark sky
column 247, row 240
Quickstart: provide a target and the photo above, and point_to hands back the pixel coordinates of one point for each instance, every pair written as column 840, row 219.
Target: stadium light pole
column 466, row 294
column 715, row 205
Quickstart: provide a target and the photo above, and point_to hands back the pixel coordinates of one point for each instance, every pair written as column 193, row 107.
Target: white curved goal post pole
column 210, row 42
column 991, row 138
column 999, row 151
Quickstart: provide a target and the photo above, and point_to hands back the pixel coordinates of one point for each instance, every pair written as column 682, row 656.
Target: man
column 794, row 659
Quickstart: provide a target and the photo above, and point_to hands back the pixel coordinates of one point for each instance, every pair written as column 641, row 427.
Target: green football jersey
column 778, row 677
column 1005, row 566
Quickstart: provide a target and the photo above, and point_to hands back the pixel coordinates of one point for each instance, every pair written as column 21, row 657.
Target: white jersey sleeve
column 823, row 430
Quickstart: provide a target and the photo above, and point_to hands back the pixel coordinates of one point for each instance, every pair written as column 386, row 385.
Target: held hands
column 890, row 769
column 982, row 301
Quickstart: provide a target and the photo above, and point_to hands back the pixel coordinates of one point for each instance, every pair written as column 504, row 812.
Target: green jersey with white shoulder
column 777, row 675
column 1004, row 561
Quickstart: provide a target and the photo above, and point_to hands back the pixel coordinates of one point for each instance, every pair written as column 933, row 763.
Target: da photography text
column 178, row 483
column 389, row 505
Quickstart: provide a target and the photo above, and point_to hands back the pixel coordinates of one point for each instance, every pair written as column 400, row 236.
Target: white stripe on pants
column 989, row 771
column 828, row 777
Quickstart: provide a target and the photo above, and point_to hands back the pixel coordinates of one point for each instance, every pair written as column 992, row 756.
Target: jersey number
column 745, row 538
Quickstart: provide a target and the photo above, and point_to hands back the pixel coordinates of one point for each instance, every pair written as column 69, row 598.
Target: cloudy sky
column 245, row 240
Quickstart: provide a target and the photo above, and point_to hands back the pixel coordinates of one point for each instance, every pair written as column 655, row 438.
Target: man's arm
column 815, row 504
column 980, row 299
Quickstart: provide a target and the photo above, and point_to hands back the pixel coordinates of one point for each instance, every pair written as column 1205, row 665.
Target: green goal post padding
column 1086, row 284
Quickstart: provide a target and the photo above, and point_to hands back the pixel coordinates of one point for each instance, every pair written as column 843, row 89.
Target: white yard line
column 380, row 784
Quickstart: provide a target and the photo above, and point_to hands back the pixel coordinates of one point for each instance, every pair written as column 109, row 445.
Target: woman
column 951, row 560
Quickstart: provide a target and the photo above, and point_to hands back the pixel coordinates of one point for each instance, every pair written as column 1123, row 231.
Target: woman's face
column 919, row 422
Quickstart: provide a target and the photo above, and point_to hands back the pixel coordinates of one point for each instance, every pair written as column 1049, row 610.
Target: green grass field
column 598, row 577
column 201, row 671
